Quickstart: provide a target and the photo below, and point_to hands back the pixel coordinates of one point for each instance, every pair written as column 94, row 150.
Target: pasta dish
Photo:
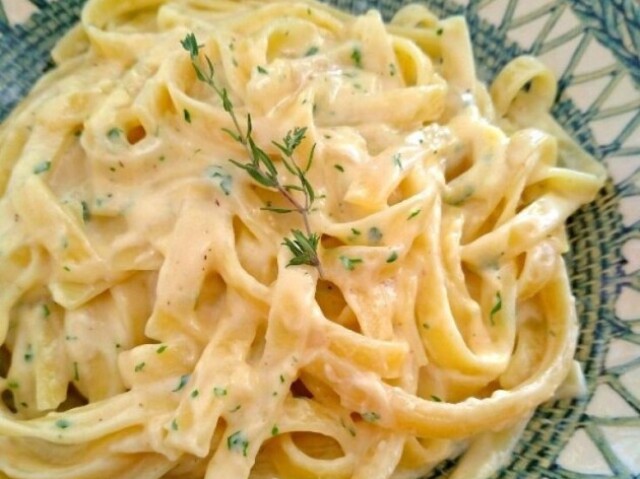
column 272, row 239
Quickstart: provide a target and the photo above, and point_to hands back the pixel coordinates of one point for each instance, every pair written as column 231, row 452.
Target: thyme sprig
column 262, row 169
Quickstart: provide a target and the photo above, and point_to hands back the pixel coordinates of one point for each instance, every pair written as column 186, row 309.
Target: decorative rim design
column 604, row 262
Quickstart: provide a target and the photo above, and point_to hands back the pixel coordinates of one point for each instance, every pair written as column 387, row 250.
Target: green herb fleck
column 274, row 430
column 311, row 51
column 46, row 312
column 63, row 424
column 86, row 212
column 28, row 355
column 439, row 31
column 397, row 160
column 350, row 263
column 139, row 367
column 187, row 116
column 527, row 87
column 435, row 398
column 392, row 69
column 66, row 268
column 413, row 214
column 195, row 393
column 76, row 373
column 238, row 442
column 13, row 384
column 338, row 167
column 224, row 179
column 219, row 392
column 282, row 379
column 356, row 56
column 496, row 307
column 392, row 257
column 374, row 234
column 355, row 231
column 161, row 349
column 371, row 416
column 114, row 134
column 262, row 70
column 174, row 425
column 182, row 382
column 425, row 325
column 42, row 167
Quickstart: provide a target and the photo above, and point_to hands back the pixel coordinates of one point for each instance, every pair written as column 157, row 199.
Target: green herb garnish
column 356, row 56
column 350, row 263
column 262, row 169
column 371, row 416
column 496, row 307
column 182, row 382
column 238, row 442
column 42, row 167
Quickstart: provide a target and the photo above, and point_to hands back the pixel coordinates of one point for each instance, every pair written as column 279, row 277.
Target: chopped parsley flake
column 374, row 234
column 339, row 167
column 140, row 366
column 174, row 425
column 311, row 51
column 238, row 442
column 356, row 56
column 114, row 133
column 435, row 398
column 397, row 160
column 392, row 257
column 195, row 393
column 413, row 214
column 221, row 177
column 63, row 424
column 28, row 355
column 42, row 167
column 496, row 307
column 392, row 69
column 355, row 231
column 46, row 312
column 262, row 70
column 13, row 384
column 274, row 430
column 439, row 31
column 184, row 379
column 187, row 116
column 86, row 212
column 219, row 392
column 161, row 349
column 76, row 373
column 350, row 263
column 371, row 416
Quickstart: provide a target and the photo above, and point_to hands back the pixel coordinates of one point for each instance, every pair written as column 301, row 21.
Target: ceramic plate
column 594, row 48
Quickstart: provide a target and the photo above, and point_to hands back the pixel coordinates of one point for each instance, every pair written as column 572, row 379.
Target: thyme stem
column 303, row 246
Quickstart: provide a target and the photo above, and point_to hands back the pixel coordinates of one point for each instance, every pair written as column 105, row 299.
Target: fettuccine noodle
column 151, row 325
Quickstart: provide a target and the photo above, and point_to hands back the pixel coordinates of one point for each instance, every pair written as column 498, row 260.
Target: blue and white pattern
column 594, row 48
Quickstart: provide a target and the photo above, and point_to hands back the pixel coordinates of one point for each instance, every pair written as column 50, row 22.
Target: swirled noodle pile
column 149, row 323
